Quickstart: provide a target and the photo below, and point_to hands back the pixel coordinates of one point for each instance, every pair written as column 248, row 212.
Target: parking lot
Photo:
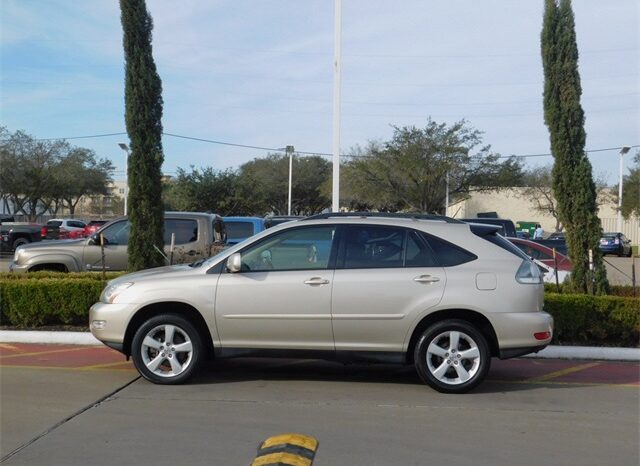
column 79, row 405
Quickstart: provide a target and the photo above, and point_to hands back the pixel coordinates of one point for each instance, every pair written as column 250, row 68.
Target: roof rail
column 415, row 216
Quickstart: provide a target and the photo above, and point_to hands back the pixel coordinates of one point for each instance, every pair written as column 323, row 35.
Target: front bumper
column 18, row 268
column 108, row 323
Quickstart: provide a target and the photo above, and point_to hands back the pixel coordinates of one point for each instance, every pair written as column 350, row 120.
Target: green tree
column 143, row 102
column 410, row 171
column 80, row 174
column 573, row 184
column 27, row 172
column 204, row 190
column 265, row 183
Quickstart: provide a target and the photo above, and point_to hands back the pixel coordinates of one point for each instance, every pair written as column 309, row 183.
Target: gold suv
column 443, row 295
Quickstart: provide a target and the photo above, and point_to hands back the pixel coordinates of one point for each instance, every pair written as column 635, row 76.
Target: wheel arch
column 473, row 317
column 168, row 307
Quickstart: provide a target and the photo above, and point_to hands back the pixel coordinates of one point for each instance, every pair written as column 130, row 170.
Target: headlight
column 18, row 255
column 111, row 292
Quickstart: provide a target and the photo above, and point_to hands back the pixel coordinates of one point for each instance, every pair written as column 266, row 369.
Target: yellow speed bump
column 286, row 450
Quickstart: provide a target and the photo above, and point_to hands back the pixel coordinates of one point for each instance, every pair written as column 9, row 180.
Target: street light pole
column 446, row 201
column 337, row 86
column 623, row 151
column 289, row 150
column 125, row 148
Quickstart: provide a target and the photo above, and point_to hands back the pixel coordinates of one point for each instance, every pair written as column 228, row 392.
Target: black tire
column 167, row 357
column 630, row 252
column 19, row 242
column 442, row 371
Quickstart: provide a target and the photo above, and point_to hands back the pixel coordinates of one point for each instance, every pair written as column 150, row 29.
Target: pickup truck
column 197, row 235
column 241, row 228
column 14, row 234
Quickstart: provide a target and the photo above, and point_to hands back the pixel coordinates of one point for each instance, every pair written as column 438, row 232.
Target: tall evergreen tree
column 573, row 183
column 143, row 101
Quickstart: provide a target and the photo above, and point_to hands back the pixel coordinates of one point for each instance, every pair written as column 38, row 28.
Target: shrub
column 48, row 274
column 615, row 290
column 595, row 320
column 47, row 301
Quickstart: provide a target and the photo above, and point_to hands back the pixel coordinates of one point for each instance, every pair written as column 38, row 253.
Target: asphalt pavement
column 79, row 405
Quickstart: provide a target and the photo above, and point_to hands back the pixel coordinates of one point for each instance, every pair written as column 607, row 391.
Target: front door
column 116, row 238
column 281, row 298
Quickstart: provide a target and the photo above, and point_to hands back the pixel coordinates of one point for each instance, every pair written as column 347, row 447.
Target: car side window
column 117, row 234
column 186, row 230
column 373, row 247
column 75, row 224
column 448, row 254
column 299, row 249
column 418, row 252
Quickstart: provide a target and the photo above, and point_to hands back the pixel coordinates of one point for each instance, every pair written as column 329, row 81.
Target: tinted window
column 239, row 229
column 373, row 247
column 449, row 254
column 117, row 234
column 532, row 252
column 186, row 231
column 418, row 252
column 75, row 224
column 54, row 223
column 299, row 249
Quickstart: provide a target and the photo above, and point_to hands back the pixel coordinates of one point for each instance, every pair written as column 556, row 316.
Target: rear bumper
column 509, row 353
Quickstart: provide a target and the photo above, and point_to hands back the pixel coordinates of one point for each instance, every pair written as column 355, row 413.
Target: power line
column 282, row 149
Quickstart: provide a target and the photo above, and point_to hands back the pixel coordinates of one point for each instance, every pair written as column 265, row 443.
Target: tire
column 19, row 242
column 450, row 369
column 150, row 355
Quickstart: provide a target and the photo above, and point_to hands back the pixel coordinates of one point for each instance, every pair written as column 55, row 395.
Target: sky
column 260, row 73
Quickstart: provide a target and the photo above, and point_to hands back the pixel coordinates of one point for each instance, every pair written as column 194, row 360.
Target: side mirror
column 94, row 240
column 234, row 262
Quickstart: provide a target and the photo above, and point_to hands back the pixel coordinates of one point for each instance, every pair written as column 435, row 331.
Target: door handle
column 316, row 281
column 192, row 253
column 426, row 279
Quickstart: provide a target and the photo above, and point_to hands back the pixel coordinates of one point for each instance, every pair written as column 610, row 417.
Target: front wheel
column 167, row 349
column 452, row 356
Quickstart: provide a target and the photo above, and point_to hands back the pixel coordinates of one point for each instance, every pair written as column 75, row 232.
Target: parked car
column 440, row 294
column 241, row 228
column 615, row 243
column 273, row 220
column 557, row 244
column 16, row 234
column 93, row 226
column 195, row 235
column 557, row 236
column 542, row 253
column 64, row 228
column 507, row 228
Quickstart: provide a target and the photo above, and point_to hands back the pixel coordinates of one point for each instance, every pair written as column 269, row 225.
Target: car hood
column 169, row 271
column 57, row 245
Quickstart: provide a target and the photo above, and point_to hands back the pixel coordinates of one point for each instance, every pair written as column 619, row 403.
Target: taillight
column 528, row 273
column 43, row 232
column 542, row 335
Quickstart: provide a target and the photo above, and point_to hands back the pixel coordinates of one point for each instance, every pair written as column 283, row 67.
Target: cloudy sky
column 259, row 72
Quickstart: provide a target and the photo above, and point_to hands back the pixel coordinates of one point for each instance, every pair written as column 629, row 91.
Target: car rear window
column 239, row 229
column 499, row 241
column 54, row 223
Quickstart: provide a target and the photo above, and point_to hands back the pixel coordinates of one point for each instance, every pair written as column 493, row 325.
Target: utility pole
column 337, row 66
column 289, row 150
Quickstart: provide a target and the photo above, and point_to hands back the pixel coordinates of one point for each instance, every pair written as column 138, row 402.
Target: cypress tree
column 143, row 102
column 573, row 184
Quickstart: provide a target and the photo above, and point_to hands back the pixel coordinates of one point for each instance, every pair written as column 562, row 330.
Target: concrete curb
column 551, row 352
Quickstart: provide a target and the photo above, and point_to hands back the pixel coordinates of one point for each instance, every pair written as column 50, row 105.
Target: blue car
column 615, row 243
column 241, row 228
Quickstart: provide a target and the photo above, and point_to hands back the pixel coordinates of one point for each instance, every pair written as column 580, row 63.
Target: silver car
column 443, row 295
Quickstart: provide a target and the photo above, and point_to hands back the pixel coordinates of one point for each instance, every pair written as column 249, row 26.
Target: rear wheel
column 452, row 356
column 20, row 242
column 167, row 349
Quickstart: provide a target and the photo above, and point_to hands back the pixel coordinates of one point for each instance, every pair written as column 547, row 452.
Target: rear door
column 116, row 242
column 384, row 277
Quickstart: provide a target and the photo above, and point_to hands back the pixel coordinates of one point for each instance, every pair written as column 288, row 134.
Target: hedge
column 51, row 298
column 615, row 290
column 600, row 320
